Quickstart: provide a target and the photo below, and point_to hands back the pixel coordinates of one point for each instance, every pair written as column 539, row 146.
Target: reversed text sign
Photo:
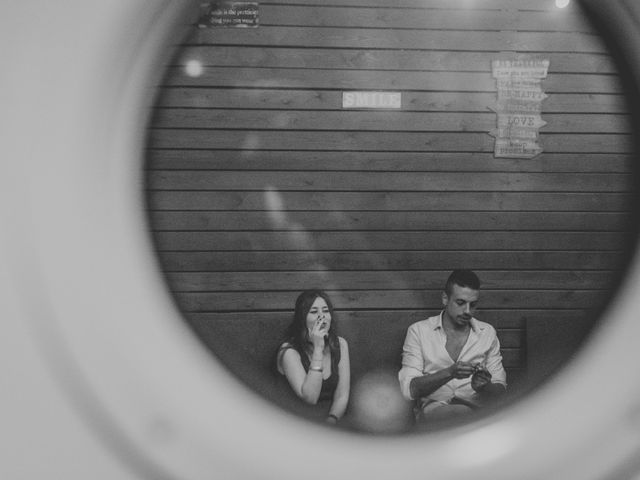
column 518, row 106
column 371, row 100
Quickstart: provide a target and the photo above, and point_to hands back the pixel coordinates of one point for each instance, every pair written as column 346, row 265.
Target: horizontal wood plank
column 412, row 101
column 422, row 16
column 390, row 241
column 271, row 181
column 324, row 79
column 389, row 280
column 397, row 299
column 383, row 261
column 377, row 121
column 283, row 160
column 377, row 141
column 380, row 59
column 168, row 200
column 375, row 38
column 407, row 221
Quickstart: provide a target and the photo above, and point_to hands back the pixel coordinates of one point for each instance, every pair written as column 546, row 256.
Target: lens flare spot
column 194, row 68
column 378, row 406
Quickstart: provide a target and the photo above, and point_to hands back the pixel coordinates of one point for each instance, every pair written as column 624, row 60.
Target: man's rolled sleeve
column 494, row 363
column 412, row 362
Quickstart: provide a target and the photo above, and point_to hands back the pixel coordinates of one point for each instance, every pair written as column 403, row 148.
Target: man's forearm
column 427, row 384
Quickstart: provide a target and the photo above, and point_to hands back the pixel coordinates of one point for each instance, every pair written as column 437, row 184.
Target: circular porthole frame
column 84, row 264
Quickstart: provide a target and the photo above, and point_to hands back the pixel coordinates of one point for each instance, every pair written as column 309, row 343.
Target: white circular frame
column 83, row 259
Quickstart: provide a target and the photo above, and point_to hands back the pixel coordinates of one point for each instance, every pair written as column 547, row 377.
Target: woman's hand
column 319, row 331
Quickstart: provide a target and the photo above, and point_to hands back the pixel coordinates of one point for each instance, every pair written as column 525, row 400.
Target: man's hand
column 430, row 382
column 480, row 379
column 461, row 370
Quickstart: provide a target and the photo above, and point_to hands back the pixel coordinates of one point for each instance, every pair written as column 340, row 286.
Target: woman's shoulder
column 286, row 349
column 343, row 342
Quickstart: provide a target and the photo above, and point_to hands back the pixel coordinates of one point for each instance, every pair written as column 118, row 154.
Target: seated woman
column 314, row 360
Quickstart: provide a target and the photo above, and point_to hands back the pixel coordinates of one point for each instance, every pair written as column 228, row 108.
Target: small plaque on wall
column 381, row 100
column 230, row 14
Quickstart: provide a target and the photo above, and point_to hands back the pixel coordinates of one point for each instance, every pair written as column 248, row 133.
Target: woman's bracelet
column 315, row 369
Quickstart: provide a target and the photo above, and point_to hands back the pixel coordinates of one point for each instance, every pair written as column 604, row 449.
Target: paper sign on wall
column 229, row 14
column 518, row 106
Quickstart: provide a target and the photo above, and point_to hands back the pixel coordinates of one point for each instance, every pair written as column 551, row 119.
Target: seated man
column 452, row 360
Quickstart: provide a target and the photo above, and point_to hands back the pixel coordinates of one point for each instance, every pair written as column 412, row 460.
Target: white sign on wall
column 371, row 100
column 229, row 13
column 518, row 106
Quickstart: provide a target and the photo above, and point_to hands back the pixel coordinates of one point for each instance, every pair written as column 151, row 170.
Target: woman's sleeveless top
column 329, row 385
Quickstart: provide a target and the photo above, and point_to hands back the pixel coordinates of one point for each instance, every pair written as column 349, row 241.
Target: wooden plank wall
column 261, row 185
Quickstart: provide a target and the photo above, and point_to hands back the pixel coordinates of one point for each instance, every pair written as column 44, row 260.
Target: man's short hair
column 462, row 278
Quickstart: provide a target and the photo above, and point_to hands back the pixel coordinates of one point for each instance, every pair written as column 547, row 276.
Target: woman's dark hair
column 298, row 334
